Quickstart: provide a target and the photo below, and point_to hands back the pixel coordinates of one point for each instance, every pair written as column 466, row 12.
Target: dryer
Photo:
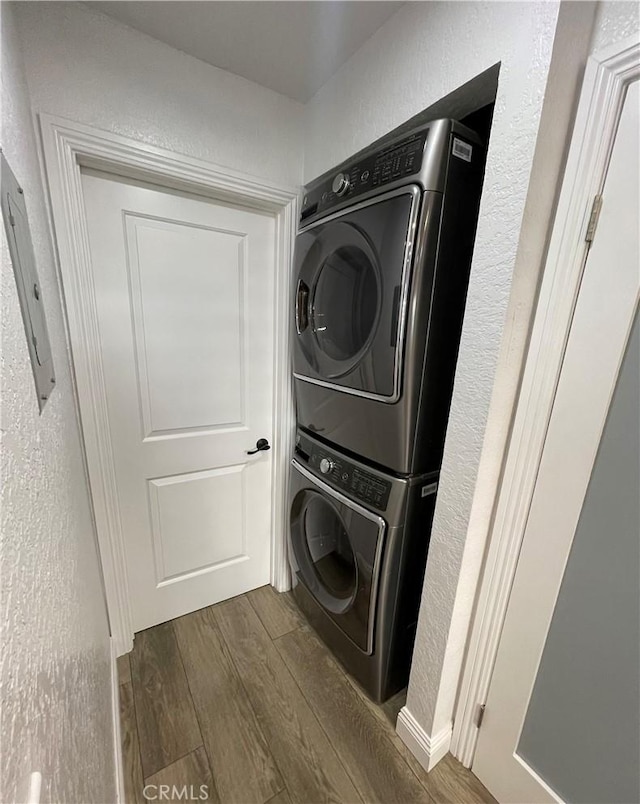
column 358, row 541
column 381, row 268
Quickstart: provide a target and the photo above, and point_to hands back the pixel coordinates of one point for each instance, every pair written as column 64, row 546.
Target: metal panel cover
column 14, row 213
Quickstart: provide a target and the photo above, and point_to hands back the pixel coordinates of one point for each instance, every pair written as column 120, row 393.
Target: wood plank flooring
column 192, row 772
column 242, row 702
column 165, row 714
column 244, row 767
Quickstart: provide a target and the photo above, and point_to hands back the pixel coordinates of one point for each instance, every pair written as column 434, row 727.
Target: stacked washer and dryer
column 381, row 269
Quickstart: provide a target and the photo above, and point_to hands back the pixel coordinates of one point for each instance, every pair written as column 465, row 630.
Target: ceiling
column 292, row 47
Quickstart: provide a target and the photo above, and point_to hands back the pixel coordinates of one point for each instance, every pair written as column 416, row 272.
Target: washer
column 381, row 269
column 358, row 546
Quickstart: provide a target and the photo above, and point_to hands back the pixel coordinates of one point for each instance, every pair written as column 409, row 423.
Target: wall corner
column 427, row 748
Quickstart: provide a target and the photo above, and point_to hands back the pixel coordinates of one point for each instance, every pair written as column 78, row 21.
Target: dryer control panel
column 394, row 162
column 420, row 156
column 351, row 479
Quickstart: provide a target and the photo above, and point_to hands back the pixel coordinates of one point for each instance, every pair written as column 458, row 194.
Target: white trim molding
column 117, row 734
column 607, row 77
column 68, row 146
column 427, row 749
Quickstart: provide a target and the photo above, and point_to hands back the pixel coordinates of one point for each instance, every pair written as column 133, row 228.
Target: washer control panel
column 372, row 171
column 353, row 480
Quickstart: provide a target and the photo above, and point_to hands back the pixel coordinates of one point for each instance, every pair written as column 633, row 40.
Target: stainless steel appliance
column 358, row 546
column 382, row 264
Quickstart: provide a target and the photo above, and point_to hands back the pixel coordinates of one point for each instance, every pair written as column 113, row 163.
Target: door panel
column 186, row 510
column 595, row 630
column 177, row 345
column 184, row 296
column 511, row 765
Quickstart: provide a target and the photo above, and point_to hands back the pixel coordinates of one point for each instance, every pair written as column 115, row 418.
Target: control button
column 325, row 196
column 364, row 176
column 340, row 184
column 345, row 476
column 326, row 465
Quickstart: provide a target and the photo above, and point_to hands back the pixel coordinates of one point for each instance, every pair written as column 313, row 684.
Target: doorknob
column 262, row 445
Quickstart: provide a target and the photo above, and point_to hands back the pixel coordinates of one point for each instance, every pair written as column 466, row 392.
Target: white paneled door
column 184, row 295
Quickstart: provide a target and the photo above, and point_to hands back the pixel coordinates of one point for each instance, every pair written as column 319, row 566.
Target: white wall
column 425, row 51
column 55, row 658
column 615, row 21
column 92, row 69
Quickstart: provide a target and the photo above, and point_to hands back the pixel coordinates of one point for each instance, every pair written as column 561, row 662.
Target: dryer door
column 340, row 292
column 352, row 276
column 336, row 550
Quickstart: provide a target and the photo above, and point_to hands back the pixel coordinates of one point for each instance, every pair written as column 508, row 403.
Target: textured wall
column 425, row 51
column 55, row 658
column 615, row 21
column 90, row 68
column 570, row 50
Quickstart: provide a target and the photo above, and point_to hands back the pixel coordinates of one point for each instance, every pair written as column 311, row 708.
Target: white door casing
column 184, row 297
column 67, row 146
column 602, row 321
column 607, row 76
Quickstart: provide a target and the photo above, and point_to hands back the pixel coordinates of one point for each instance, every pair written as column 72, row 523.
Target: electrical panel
column 14, row 212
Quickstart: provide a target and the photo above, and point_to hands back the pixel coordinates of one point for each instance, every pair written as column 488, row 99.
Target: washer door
column 324, row 553
column 352, row 274
column 336, row 548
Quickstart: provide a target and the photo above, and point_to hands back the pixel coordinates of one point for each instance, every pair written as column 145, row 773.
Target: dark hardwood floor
column 243, row 703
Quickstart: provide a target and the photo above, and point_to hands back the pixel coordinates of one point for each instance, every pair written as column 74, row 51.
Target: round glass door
column 338, row 298
column 323, row 551
column 345, row 304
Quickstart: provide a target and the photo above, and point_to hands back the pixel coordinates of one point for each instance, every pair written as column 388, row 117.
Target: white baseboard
column 428, row 750
column 115, row 714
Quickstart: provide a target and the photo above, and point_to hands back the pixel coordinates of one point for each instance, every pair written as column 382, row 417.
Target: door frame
column 607, row 75
column 67, row 147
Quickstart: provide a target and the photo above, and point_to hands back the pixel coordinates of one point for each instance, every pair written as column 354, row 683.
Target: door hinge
column 593, row 219
column 480, row 714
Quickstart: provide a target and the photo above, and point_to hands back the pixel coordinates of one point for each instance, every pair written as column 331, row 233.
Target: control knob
column 326, row 465
column 340, row 184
